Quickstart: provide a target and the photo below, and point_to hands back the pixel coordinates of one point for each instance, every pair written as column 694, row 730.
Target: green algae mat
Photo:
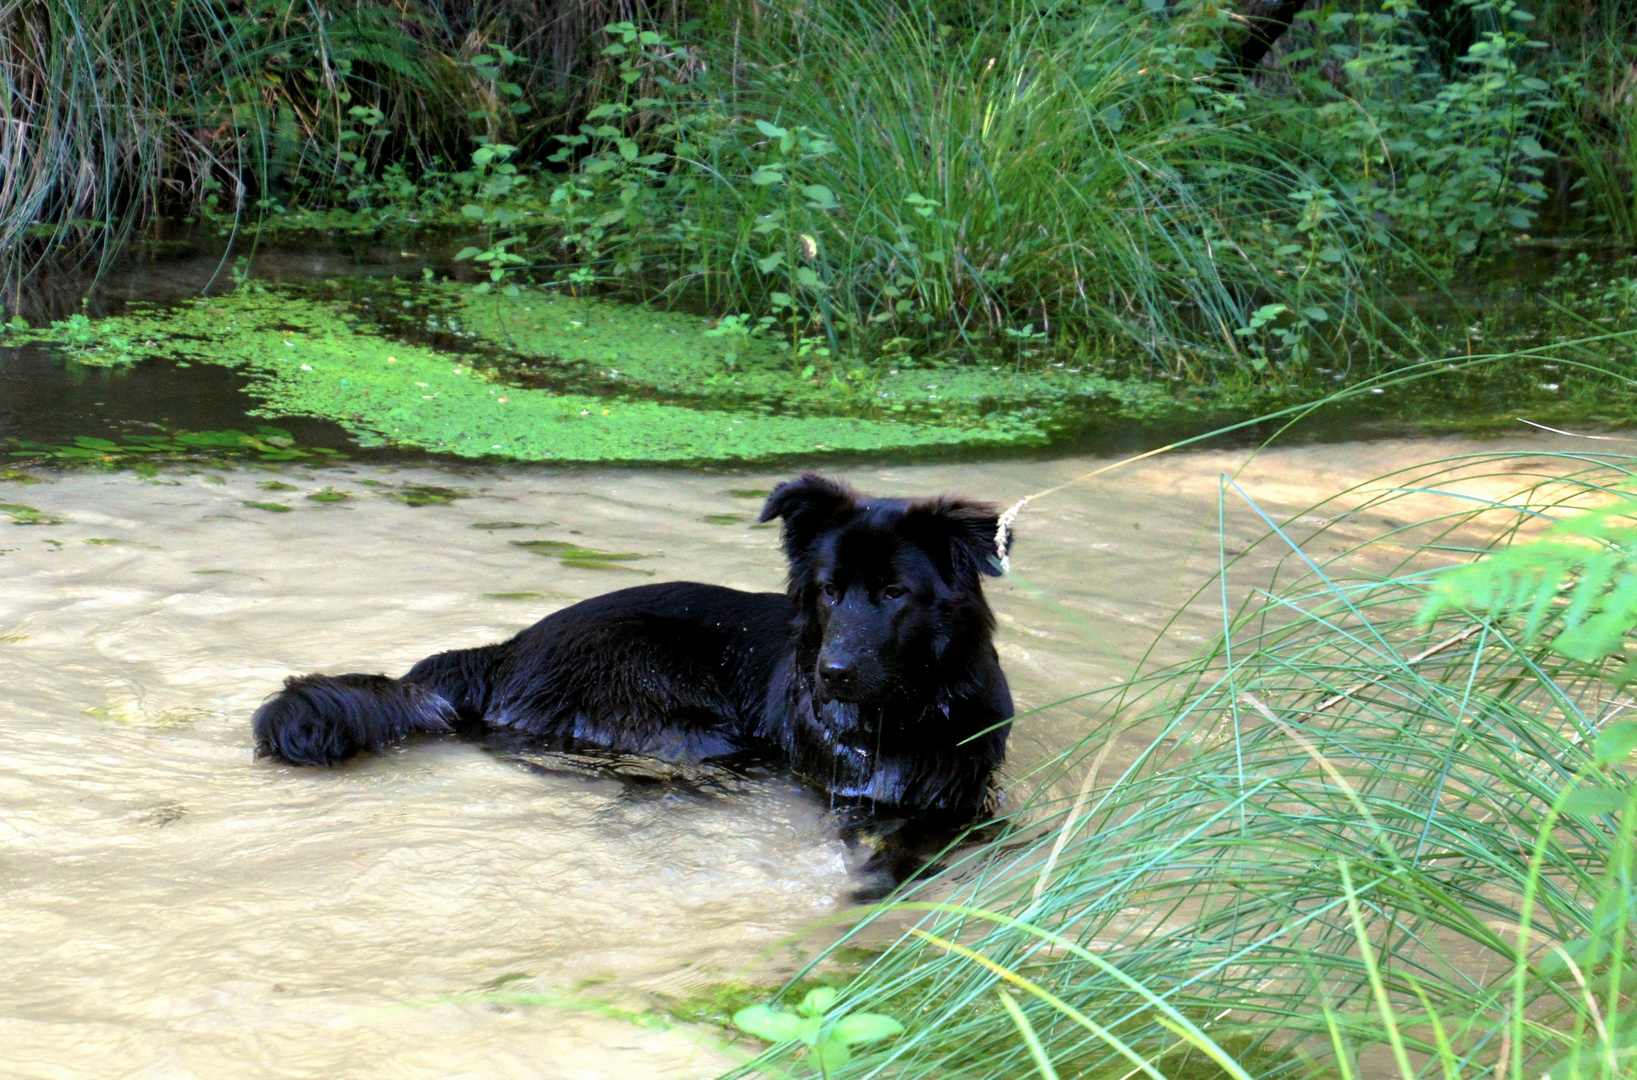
column 546, row 378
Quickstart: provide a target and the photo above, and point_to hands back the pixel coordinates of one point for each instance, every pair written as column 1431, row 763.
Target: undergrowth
column 987, row 178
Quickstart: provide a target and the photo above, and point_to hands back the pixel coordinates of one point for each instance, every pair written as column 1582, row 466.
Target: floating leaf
column 28, row 515
column 271, row 507
column 599, row 564
column 427, row 495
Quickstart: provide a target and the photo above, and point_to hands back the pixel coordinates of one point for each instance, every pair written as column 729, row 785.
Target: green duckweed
column 315, row 358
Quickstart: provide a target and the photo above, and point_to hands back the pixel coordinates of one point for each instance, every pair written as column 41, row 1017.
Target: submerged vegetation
column 1383, row 826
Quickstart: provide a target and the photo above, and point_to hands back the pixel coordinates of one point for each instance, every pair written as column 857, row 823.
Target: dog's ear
column 960, row 535
column 807, row 504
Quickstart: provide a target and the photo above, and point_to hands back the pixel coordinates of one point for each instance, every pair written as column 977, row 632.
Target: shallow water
column 174, row 908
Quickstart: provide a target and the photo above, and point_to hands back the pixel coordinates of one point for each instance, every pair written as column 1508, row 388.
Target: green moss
column 315, row 359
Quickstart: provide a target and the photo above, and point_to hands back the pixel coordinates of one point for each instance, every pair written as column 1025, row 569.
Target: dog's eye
column 828, row 590
column 894, row 592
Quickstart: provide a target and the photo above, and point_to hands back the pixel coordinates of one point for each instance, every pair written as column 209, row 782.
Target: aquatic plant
column 1351, row 841
column 145, row 451
column 318, row 359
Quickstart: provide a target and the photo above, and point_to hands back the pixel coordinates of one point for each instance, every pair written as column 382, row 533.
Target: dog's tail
column 323, row 719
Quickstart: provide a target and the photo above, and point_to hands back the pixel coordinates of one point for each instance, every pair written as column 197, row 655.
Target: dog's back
column 677, row 670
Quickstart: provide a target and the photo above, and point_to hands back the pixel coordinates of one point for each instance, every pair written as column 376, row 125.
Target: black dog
column 874, row 678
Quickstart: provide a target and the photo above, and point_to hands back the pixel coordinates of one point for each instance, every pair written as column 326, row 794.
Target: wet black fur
column 886, row 701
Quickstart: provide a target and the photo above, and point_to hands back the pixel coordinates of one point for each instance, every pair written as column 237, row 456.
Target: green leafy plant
column 1071, row 170
column 736, row 331
column 1452, row 164
column 828, row 1039
column 1576, row 584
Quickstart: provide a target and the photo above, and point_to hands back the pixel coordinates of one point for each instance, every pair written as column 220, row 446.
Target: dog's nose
column 836, row 674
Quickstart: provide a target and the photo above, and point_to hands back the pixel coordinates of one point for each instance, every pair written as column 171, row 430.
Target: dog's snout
column 838, row 676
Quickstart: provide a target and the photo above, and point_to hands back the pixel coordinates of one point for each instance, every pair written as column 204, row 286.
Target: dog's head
column 888, row 592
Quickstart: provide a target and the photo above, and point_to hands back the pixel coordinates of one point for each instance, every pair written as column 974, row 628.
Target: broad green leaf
column 818, row 1001
column 774, row 1025
column 821, row 196
column 1579, row 580
column 1589, row 802
column 865, row 1027
column 831, row 1055
column 1616, row 741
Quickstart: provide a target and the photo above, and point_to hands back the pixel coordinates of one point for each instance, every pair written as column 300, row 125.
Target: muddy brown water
column 172, row 908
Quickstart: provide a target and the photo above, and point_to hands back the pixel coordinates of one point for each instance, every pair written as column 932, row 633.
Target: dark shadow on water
column 47, row 399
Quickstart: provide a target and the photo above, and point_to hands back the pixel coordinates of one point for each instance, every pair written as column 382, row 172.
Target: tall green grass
column 120, row 111
column 1352, row 844
column 1601, row 136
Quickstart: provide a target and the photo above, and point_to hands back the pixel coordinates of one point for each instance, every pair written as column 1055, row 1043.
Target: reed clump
column 122, row 111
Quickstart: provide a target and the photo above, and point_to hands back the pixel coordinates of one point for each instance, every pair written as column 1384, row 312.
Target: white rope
column 1003, row 532
column 1003, row 528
